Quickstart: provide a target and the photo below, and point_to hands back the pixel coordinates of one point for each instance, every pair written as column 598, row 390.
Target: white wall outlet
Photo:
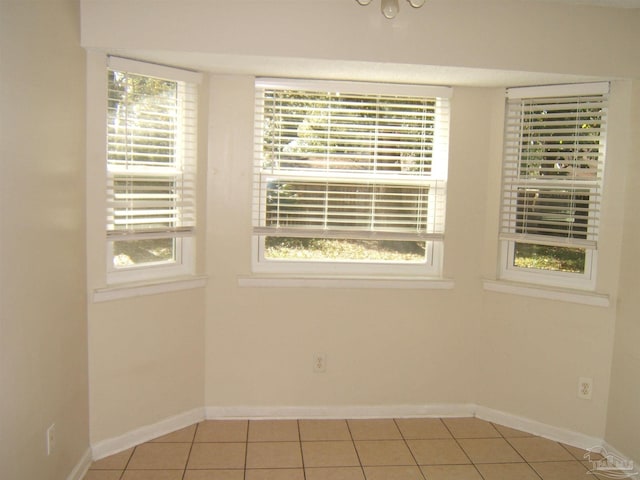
column 51, row 438
column 585, row 388
column 319, row 362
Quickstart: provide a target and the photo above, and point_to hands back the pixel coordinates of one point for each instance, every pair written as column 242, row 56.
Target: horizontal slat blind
column 151, row 129
column 553, row 167
column 347, row 164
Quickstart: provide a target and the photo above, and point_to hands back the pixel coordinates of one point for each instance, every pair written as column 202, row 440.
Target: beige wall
column 146, row 361
column 624, row 412
column 146, row 353
column 519, row 355
column 43, row 325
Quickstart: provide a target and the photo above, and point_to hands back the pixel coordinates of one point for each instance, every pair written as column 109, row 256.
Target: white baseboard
column 80, row 470
column 140, row 435
column 569, row 437
column 346, row 411
column 135, row 437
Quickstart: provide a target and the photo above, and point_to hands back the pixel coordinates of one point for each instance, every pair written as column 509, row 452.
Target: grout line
column 460, row 447
column 409, row 448
column 246, row 450
column 193, row 440
column 353, row 443
column 304, row 470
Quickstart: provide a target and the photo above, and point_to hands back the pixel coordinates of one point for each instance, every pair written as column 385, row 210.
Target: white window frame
column 507, row 269
column 184, row 235
column 432, row 267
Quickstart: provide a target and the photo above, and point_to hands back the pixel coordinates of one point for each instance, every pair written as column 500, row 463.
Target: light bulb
column 389, row 8
column 416, row 3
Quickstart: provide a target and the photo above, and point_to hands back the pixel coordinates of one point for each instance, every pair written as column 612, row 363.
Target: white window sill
column 560, row 294
column 138, row 289
column 275, row 281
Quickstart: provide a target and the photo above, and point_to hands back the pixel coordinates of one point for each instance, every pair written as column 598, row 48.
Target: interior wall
column 43, row 322
column 533, row 351
column 146, row 361
column 146, row 352
column 624, row 416
column 493, row 34
column 385, row 347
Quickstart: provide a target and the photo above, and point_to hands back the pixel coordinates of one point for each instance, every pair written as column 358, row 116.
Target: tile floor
column 381, row 449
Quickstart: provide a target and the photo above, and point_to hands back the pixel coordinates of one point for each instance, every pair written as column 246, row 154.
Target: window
column 151, row 150
column 349, row 177
column 552, row 174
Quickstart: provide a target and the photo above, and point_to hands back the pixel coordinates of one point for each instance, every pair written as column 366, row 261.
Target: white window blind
column 553, row 165
column 151, row 128
column 335, row 160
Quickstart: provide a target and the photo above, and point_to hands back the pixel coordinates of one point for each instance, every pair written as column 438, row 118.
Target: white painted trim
column 148, row 432
column 614, row 451
column 345, row 282
column 130, row 290
column 135, row 437
column 342, row 411
column 569, row 437
column 563, row 295
column 81, row 468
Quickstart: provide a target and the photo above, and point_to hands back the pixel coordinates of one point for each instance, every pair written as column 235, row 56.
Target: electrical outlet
column 585, row 388
column 51, row 438
column 319, row 362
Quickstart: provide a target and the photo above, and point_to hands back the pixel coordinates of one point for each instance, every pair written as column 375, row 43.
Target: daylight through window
column 150, row 165
column 552, row 179
column 349, row 173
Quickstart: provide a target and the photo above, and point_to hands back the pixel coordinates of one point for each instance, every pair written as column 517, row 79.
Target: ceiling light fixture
column 390, row 8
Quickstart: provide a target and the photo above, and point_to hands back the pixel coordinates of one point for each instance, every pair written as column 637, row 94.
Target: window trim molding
column 312, row 270
column 351, row 281
column 139, row 289
column 538, row 291
column 184, row 264
column 507, row 271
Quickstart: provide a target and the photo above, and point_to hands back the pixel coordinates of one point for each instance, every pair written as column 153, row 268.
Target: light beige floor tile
column 437, row 452
column 222, row 431
column 152, row 475
column 217, row 456
column 507, row 471
column 182, row 435
column 582, row 455
column 393, row 473
column 537, row 449
column 469, row 427
column 374, row 429
column 275, row 474
column 159, row 456
column 113, row 462
column 273, row 431
column 274, row 455
column 489, row 450
column 315, row 430
column 329, row 454
column 572, row 470
column 384, row 452
column 334, row 473
column 103, row 475
column 510, row 432
column 214, row 475
column 451, row 472
column 422, row 428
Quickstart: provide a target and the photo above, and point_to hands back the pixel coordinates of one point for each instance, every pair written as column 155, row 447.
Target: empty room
column 319, row 239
